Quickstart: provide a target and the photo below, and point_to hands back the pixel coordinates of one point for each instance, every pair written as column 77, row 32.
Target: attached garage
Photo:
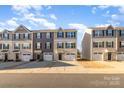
column 47, row 56
column 120, row 56
column 26, row 57
column 97, row 56
column 70, row 57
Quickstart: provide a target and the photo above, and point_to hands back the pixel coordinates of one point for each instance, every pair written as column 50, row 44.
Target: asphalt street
column 61, row 80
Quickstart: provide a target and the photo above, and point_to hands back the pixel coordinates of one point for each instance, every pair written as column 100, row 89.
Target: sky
column 79, row 17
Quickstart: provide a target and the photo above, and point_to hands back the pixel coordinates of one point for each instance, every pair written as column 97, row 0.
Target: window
column 70, row 45
column 109, row 44
column 48, row 35
column 109, row 32
column 5, row 36
column 48, row 45
column 60, row 45
column 122, row 44
column 101, row 44
column 98, row 44
column 26, row 36
column 98, row 33
column 5, row 46
column 60, row 34
column 16, row 46
column 17, row 36
column 70, row 34
column 38, row 35
column 121, row 32
column 26, row 46
column 38, row 45
column 95, row 44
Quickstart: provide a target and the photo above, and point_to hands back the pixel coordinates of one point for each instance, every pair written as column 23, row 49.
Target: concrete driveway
column 63, row 67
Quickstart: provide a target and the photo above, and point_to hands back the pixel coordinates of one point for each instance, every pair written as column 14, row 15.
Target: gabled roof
column 107, row 27
column 21, row 27
column 5, row 31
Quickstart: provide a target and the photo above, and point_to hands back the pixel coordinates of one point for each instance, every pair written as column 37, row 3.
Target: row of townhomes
column 25, row 45
column 103, row 43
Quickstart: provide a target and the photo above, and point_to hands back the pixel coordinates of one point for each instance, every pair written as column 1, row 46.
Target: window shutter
column 19, row 36
column 112, row 44
column 62, row 45
column 120, row 44
column 40, row 45
column 45, row 45
column 106, row 44
column 106, row 32
column 102, row 44
column 8, row 36
column 112, row 32
column 50, row 45
column 14, row 36
column 120, row 32
column 103, row 32
column 93, row 33
column 50, row 34
column 35, row 45
column 40, row 35
column 23, row 36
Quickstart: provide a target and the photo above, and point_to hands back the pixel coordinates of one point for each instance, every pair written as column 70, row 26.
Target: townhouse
column 23, row 44
column 16, row 45
column 43, row 44
column 104, row 43
column 65, row 44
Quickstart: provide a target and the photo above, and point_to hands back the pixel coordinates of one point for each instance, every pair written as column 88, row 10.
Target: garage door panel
column 26, row 57
column 120, row 57
column 70, row 57
column 48, row 57
column 97, row 57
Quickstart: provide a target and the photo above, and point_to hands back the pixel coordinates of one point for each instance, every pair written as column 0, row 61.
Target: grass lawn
column 94, row 65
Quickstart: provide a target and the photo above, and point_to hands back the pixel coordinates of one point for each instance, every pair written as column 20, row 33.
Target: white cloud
column 102, row 25
column 93, row 10
column 53, row 16
column 48, row 7
column 104, row 6
column 77, row 26
column 106, row 14
column 9, row 24
column 34, row 18
column 109, row 22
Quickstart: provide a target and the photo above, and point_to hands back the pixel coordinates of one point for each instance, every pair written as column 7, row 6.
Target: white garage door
column 97, row 57
column 120, row 56
column 47, row 57
column 26, row 57
column 70, row 57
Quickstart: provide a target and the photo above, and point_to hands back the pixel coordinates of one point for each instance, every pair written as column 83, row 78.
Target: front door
column 17, row 56
column 60, row 56
column 6, row 57
column 38, row 56
column 109, row 56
